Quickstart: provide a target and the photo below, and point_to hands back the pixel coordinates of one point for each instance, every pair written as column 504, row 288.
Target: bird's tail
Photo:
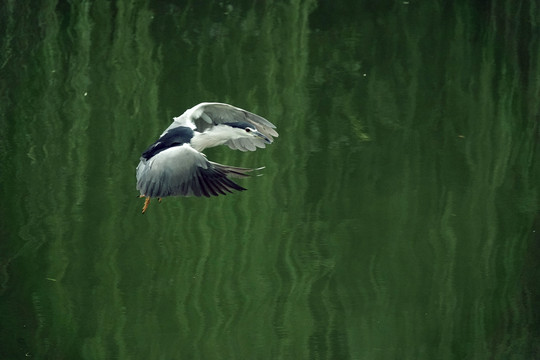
column 234, row 171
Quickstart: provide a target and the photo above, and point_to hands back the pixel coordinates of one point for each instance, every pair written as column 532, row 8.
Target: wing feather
column 208, row 114
column 183, row 171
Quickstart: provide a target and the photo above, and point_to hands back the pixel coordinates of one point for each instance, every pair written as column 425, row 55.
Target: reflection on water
column 394, row 219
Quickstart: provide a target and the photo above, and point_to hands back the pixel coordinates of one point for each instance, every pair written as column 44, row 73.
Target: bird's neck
column 218, row 135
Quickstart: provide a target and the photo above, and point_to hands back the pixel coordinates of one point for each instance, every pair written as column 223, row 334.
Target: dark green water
column 398, row 214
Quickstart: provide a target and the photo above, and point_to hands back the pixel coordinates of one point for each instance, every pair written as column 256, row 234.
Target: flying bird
column 175, row 166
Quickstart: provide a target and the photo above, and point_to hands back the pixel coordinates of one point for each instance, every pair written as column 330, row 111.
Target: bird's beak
column 258, row 134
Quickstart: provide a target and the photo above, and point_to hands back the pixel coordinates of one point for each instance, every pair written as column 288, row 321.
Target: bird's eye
column 248, row 130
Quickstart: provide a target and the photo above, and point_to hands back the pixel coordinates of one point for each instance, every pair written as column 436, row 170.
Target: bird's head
column 246, row 130
column 231, row 133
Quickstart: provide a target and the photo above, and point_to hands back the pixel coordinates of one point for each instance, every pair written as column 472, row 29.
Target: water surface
column 397, row 216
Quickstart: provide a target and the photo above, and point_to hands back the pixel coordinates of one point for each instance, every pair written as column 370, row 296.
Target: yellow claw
column 146, row 203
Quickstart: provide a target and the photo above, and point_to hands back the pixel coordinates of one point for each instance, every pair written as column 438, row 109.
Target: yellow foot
column 159, row 199
column 146, row 203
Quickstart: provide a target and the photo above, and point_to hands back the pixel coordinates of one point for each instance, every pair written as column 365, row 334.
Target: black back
column 174, row 137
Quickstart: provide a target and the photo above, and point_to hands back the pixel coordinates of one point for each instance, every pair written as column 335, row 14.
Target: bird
column 175, row 166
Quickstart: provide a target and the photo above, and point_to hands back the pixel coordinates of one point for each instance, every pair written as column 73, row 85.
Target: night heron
column 175, row 165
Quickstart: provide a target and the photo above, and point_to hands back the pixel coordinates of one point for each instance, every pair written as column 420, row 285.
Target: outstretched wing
column 206, row 115
column 183, row 171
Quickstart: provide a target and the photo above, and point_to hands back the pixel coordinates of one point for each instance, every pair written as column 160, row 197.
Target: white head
column 222, row 133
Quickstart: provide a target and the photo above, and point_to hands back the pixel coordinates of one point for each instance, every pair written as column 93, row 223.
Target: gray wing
column 183, row 171
column 206, row 115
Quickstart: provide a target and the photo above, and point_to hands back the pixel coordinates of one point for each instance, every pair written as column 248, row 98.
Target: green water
column 398, row 213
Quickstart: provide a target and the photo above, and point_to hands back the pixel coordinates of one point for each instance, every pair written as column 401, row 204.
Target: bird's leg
column 159, row 199
column 146, row 203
